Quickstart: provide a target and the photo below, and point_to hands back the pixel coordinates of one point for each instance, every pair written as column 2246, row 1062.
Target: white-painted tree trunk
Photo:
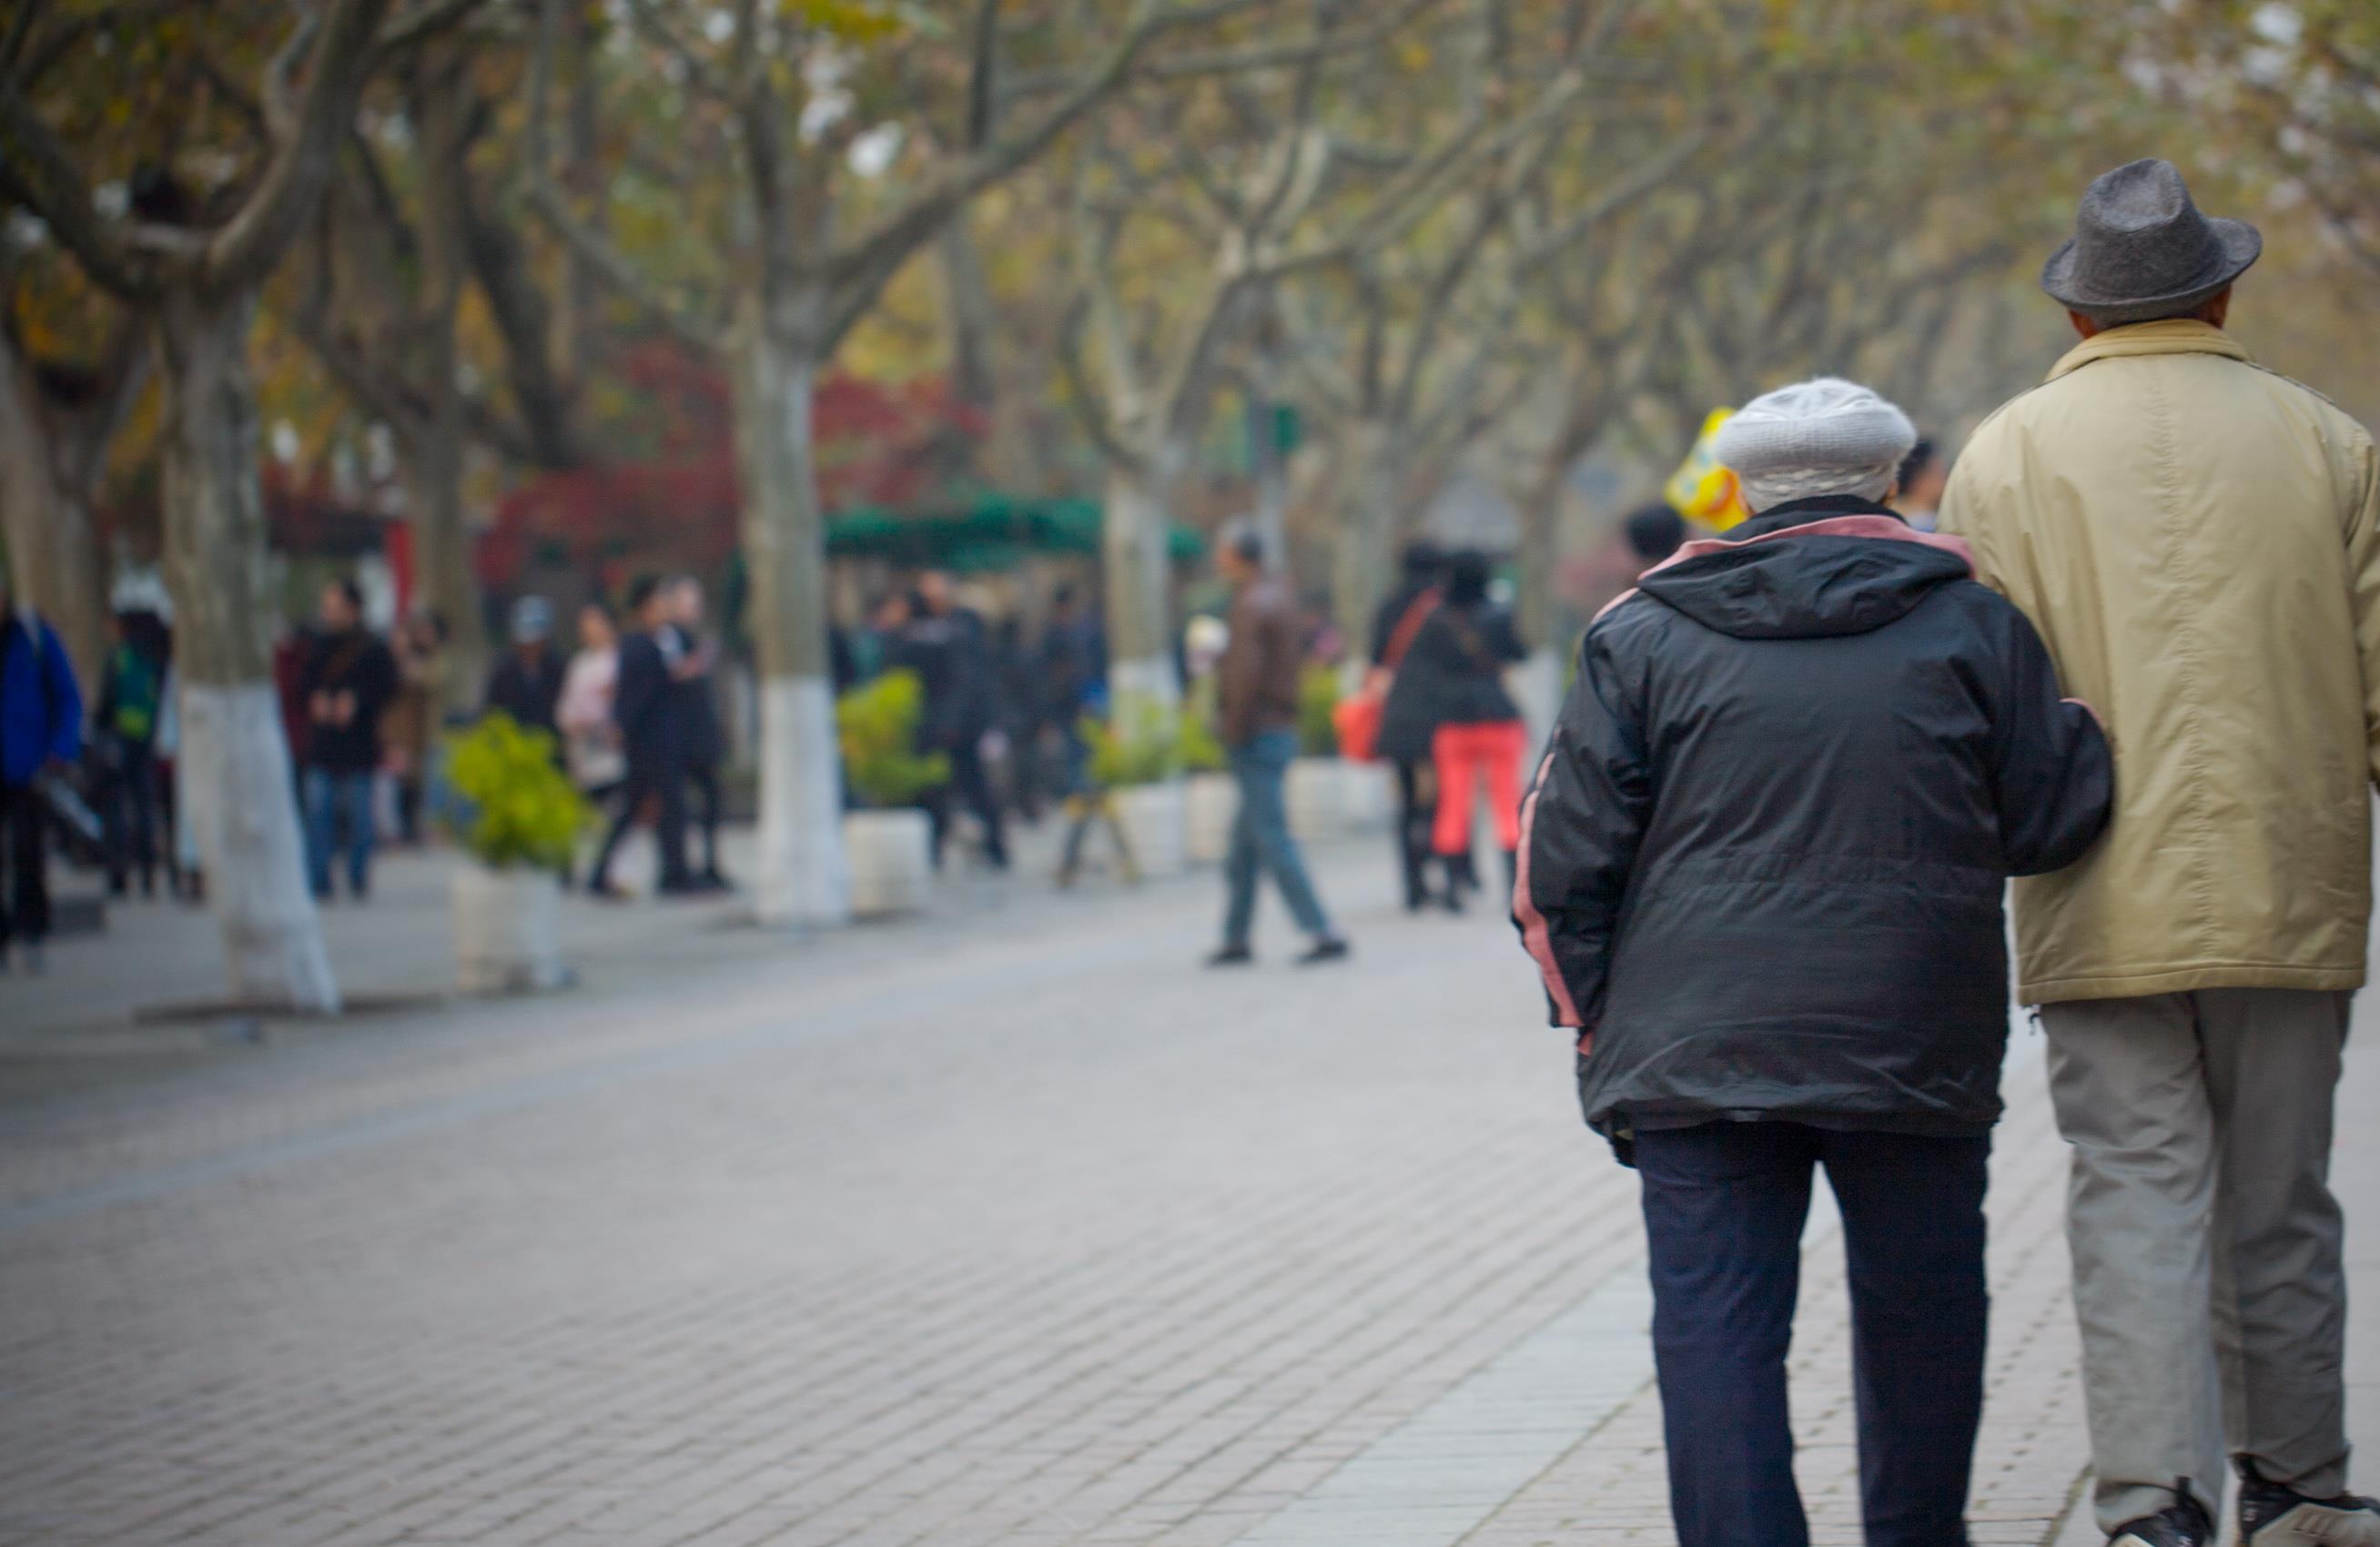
column 215, row 564
column 1138, row 576
column 800, row 877
column 235, row 772
column 803, row 877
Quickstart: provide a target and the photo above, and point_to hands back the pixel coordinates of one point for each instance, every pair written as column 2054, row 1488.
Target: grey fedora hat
column 2141, row 249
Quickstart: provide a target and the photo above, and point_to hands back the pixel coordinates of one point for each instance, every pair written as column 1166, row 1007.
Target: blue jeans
column 337, row 804
column 1260, row 838
column 1724, row 1207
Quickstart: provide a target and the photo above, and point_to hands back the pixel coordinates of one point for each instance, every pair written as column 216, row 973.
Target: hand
column 343, row 708
column 319, row 707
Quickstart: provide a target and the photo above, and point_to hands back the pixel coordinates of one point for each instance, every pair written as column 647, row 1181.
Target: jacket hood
column 1807, row 570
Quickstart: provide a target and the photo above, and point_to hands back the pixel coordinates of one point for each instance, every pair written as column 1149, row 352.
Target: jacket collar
column 1802, row 513
column 2172, row 335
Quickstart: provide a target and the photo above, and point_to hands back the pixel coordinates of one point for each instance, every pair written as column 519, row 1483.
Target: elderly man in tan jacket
column 2198, row 540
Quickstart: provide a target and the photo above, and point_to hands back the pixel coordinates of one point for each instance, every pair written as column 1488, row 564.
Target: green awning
column 993, row 532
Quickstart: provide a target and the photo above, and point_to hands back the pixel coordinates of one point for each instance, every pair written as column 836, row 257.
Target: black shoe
column 1330, row 947
column 2274, row 1515
column 607, row 891
column 1231, row 956
column 2182, row 1523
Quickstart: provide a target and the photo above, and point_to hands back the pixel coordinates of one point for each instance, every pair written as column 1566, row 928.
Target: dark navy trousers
column 1724, row 1208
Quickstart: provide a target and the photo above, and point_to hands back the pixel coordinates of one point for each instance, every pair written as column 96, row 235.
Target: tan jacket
column 2198, row 540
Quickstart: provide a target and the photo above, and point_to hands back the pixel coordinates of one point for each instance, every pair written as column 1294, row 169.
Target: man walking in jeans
column 345, row 685
column 1258, row 682
column 2198, row 541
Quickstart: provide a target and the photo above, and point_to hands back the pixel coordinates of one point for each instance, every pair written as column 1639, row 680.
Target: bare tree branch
column 36, row 171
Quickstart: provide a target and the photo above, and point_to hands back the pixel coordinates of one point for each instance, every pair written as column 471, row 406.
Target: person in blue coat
column 41, row 733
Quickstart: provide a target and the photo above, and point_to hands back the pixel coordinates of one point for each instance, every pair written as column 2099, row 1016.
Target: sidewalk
column 1008, row 1225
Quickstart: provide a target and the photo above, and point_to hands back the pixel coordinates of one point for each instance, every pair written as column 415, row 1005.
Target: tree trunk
column 804, row 876
column 53, row 550
column 1138, row 574
column 1369, row 487
column 1537, row 610
column 237, row 758
column 446, row 581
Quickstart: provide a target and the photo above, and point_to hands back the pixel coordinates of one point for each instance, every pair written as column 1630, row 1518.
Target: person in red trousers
column 1457, row 664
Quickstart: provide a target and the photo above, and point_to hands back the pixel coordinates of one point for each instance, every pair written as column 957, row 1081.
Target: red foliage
column 670, row 498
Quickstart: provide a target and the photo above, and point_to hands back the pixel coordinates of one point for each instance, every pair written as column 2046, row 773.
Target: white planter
column 1156, row 821
column 1213, row 800
column 1371, row 795
column 508, row 930
column 892, row 861
column 1317, row 795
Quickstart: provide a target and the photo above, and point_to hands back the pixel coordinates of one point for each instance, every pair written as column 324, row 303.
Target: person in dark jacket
column 527, row 683
column 650, row 715
column 1405, row 727
column 131, row 708
column 1453, row 678
column 945, row 644
column 705, row 741
column 1256, row 703
column 41, row 735
column 1761, row 875
column 347, row 682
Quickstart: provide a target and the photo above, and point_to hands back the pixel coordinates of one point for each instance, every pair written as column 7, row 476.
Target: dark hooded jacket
column 1763, row 860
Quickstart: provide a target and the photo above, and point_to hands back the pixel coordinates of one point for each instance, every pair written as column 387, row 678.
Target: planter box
column 508, row 930
column 892, row 861
column 1317, row 798
column 1213, row 802
column 1156, row 821
column 1371, row 795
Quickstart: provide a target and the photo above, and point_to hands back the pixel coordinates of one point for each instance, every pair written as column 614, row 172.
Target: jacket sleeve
column 2364, row 579
column 1581, row 823
column 2054, row 775
column 1236, row 676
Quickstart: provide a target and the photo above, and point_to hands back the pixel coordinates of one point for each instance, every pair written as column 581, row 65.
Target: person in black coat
column 692, row 674
column 945, row 644
column 1453, row 680
column 651, row 714
column 527, row 683
column 1406, row 731
column 1762, row 873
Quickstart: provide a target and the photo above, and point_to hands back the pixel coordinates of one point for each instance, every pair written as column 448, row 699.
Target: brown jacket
column 2198, row 541
column 1256, row 680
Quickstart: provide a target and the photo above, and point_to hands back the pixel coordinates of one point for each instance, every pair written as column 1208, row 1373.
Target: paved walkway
column 1008, row 1225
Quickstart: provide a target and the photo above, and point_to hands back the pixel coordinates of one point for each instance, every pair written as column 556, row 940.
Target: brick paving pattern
column 1003, row 1227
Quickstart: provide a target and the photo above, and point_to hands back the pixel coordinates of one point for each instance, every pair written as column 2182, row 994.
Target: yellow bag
column 1703, row 491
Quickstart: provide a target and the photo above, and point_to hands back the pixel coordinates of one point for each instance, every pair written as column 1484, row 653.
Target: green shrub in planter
column 1202, row 745
column 876, row 724
column 1139, row 742
column 515, row 806
column 1318, row 701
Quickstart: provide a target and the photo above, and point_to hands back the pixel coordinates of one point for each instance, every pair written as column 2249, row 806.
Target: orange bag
column 1357, row 717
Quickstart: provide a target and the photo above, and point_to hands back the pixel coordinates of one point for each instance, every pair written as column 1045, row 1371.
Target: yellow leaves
column 853, row 21
column 1415, row 55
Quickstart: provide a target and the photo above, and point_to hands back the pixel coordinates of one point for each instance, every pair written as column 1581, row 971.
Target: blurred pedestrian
column 526, row 683
column 1923, row 478
column 1762, row 876
column 1654, row 533
column 1455, row 672
column 131, row 706
column 943, row 643
column 41, row 737
column 694, row 676
column 1407, row 725
column 590, row 737
column 409, row 731
column 2199, row 540
column 1257, row 704
column 347, row 682
column 651, row 716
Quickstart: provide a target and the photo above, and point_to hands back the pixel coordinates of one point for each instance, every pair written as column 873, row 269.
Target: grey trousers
column 2207, row 1275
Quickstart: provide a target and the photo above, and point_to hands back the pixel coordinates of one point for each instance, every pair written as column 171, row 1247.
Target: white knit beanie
column 1826, row 436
